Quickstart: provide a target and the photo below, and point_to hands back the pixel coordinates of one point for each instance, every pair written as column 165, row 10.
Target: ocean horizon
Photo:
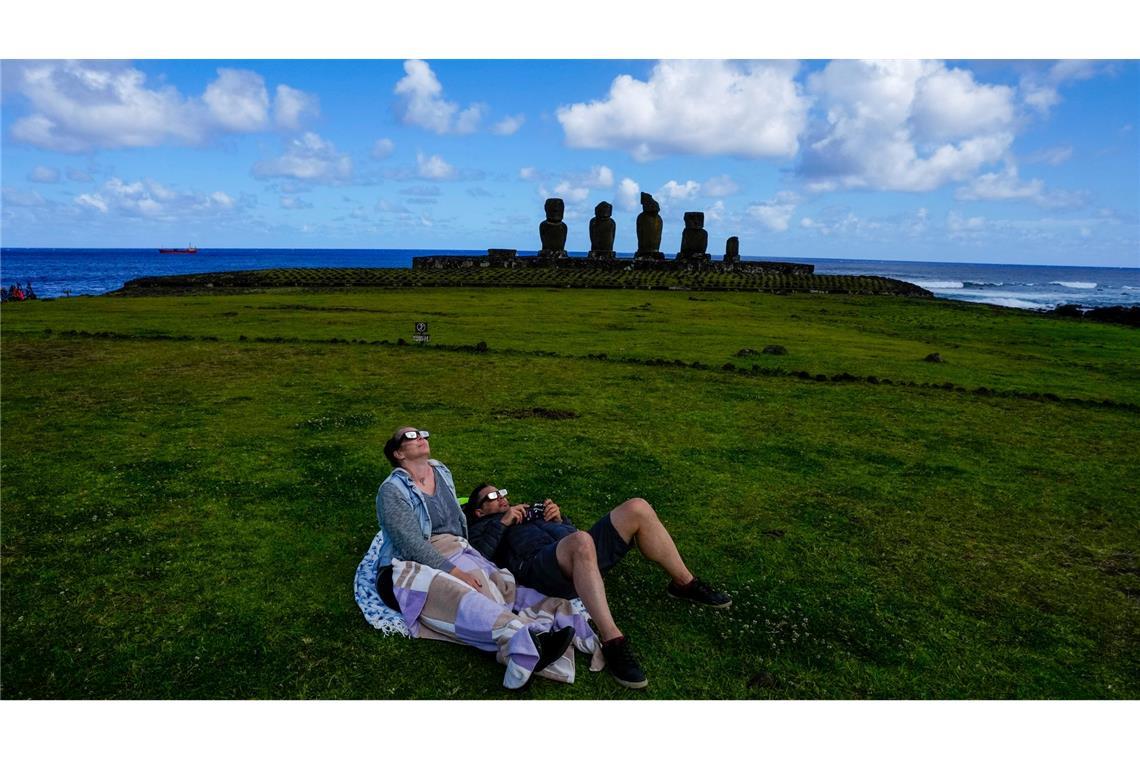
column 68, row 272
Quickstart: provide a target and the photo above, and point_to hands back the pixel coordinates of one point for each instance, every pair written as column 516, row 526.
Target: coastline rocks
column 1123, row 315
column 552, row 231
column 500, row 257
column 603, row 230
column 649, row 227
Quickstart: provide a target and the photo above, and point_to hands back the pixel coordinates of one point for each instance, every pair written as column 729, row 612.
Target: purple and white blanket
column 437, row 605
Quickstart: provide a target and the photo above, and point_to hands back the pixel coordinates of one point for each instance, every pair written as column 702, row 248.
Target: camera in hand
column 534, row 511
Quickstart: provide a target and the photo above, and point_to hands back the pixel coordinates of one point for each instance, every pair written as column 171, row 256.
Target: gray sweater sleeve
column 403, row 529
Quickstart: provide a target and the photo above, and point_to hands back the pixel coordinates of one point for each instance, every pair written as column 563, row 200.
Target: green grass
column 183, row 510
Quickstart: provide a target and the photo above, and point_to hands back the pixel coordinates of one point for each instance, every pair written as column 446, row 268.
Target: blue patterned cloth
column 379, row 615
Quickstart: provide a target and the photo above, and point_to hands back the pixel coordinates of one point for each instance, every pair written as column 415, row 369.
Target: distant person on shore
column 547, row 553
column 29, row 294
column 446, row 590
column 15, row 294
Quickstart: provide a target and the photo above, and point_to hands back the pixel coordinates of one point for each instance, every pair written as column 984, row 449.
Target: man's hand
column 467, row 578
column 552, row 513
column 513, row 515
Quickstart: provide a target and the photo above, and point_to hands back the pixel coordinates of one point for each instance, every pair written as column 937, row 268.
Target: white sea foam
column 1080, row 285
column 1013, row 303
column 937, row 284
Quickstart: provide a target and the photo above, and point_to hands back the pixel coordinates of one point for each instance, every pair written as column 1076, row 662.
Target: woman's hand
column 513, row 515
column 467, row 578
column 553, row 512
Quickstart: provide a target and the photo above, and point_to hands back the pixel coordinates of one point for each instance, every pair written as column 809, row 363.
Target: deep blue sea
column 60, row 272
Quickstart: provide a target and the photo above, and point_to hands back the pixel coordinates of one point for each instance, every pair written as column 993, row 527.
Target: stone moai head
column 732, row 249
column 554, row 209
column 648, row 205
column 603, row 210
column 694, row 220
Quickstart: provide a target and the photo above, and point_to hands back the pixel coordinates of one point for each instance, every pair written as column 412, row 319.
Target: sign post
column 421, row 334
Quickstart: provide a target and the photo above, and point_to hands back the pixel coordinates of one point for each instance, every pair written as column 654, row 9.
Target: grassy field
column 188, row 485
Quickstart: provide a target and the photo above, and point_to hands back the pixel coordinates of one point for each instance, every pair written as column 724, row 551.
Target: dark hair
column 391, row 445
column 473, row 501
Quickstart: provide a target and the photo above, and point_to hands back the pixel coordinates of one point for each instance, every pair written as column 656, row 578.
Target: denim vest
column 403, row 479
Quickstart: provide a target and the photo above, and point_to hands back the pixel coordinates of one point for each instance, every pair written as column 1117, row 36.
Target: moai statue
column 732, row 250
column 602, row 231
column 694, row 239
column 649, row 230
column 552, row 232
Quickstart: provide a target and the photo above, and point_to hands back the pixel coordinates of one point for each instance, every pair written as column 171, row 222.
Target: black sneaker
column 551, row 645
column 700, row 592
column 622, row 664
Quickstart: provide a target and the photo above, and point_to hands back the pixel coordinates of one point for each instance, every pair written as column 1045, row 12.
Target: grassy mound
column 523, row 278
column 188, row 485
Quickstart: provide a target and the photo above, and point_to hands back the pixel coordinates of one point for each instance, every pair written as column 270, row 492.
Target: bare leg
column 578, row 560
column 637, row 519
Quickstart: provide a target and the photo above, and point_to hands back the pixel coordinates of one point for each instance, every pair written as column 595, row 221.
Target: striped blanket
column 499, row 618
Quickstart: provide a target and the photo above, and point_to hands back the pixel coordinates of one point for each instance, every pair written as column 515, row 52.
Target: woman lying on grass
column 447, row 590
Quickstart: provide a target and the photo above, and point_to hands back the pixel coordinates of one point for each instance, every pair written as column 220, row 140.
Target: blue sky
column 1033, row 162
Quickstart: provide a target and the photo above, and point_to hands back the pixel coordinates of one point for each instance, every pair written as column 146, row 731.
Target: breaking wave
column 1080, row 285
column 938, row 284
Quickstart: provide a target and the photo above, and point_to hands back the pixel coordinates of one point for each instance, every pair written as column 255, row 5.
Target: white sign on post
column 421, row 335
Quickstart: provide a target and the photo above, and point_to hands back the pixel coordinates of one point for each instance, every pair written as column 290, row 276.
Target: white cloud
column 238, row 100
column 509, row 125
column 628, row 195
column 222, row 199
column 78, row 175
column 569, row 192
column 307, row 158
column 716, row 212
column 776, row 213
column 600, row 176
column 293, row 203
column 1054, row 156
column 1007, row 185
column 434, row 167
column 291, row 107
column 1041, row 91
column 574, row 188
column 22, row 198
column 79, row 106
column 421, row 103
column 956, row 224
column 383, row 148
column 44, row 174
column 720, row 187
column 387, row 207
column 93, row 201
column 694, row 107
column 152, row 200
column 949, row 105
column 904, row 125
column 672, row 191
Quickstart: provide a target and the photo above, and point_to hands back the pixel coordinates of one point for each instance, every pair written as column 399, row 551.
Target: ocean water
column 60, row 272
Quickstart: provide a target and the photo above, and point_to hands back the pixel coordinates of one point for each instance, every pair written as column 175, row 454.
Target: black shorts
column 541, row 572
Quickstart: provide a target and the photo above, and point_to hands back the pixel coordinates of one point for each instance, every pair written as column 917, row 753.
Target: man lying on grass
column 546, row 552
